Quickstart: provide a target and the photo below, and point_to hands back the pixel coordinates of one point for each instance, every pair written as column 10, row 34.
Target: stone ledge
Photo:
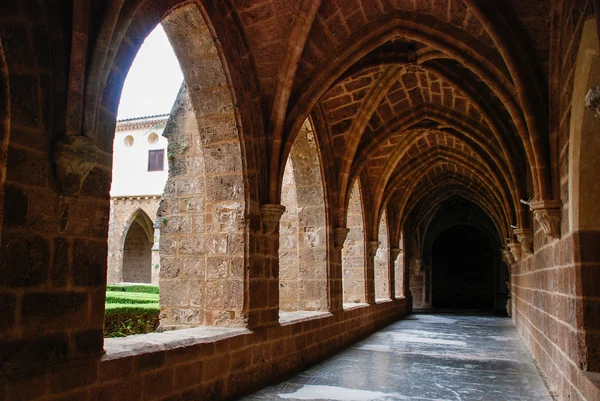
column 154, row 342
column 352, row 306
column 286, row 318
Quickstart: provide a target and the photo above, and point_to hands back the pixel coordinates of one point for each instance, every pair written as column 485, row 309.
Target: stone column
column 370, row 271
column 394, row 253
column 336, row 288
column 264, row 283
column 406, row 278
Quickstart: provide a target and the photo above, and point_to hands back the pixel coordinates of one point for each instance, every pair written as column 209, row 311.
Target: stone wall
column 137, row 255
column 202, row 363
column 123, row 212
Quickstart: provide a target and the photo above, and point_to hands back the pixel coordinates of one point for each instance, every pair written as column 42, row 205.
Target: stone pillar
column 370, row 271
column 406, row 278
column 394, row 254
column 264, row 283
column 336, row 289
column 525, row 238
column 548, row 213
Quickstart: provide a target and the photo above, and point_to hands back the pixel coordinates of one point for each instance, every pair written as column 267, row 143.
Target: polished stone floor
column 424, row 357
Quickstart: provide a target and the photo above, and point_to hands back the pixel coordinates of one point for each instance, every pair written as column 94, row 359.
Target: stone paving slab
column 424, row 357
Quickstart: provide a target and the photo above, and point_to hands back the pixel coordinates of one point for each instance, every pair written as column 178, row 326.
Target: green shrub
column 115, row 297
column 126, row 319
column 148, row 289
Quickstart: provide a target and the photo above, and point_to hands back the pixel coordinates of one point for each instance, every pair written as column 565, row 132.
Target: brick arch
column 449, row 172
column 427, row 163
column 303, row 260
column 412, row 145
column 514, row 107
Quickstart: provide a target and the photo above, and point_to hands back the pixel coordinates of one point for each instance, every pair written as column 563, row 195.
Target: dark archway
column 463, row 269
column 137, row 252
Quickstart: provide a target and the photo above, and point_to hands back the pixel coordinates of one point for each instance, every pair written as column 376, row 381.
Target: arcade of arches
column 343, row 162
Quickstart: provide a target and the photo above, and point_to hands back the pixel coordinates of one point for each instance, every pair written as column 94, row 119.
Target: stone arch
column 584, row 146
column 399, row 273
column 203, row 210
column 136, row 264
column 141, row 219
column 382, row 261
column 584, row 198
column 303, row 231
column 4, row 126
column 354, row 253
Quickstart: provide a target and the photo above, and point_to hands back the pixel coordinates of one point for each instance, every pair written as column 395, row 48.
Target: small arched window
column 128, row 141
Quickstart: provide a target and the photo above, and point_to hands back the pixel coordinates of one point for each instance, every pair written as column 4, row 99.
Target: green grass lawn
column 130, row 309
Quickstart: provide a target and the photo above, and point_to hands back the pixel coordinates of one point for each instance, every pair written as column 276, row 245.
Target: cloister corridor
column 442, row 357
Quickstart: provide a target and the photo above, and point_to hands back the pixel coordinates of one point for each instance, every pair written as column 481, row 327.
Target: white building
column 139, row 175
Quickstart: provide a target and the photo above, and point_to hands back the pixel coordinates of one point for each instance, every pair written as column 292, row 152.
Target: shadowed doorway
column 463, row 269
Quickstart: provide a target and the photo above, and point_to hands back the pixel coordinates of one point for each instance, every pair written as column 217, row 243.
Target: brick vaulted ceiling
column 420, row 100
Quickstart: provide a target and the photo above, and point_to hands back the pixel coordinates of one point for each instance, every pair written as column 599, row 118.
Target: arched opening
column 584, row 199
column 353, row 253
column 399, row 272
column 137, row 251
column 382, row 262
column 201, row 209
column 302, row 231
column 463, row 269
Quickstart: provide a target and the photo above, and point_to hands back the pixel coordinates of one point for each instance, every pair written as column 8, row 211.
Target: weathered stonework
column 525, row 238
column 74, row 157
column 548, row 214
column 412, row 104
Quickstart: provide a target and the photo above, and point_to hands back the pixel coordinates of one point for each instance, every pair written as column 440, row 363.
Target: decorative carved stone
column 74, row 157
column 394, row 253
column 592, row 100
column 525, row 238
column 515, row 250
column 270, row 216
column 508, row 256
column 373, row 246
column 548, row 214
column 339, row 236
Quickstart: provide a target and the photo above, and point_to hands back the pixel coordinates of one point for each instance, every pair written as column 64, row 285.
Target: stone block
column 16, row 206
column 32, row 352
column 25, row 261
column 72, row 378
column 89, row 263
column 48, row 309
column 7, row 312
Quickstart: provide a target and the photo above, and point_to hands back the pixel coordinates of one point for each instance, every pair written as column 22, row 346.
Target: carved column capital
column 525, row 238
column 372, row 248
column 548, row 213
column 339, row 236
column 270, row 216
column 74, row 157
column 592, row 100
column 507, row 255
column 515, row 250
column 394, row 253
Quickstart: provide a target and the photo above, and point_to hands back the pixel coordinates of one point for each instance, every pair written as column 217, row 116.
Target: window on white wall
column 156, row 160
